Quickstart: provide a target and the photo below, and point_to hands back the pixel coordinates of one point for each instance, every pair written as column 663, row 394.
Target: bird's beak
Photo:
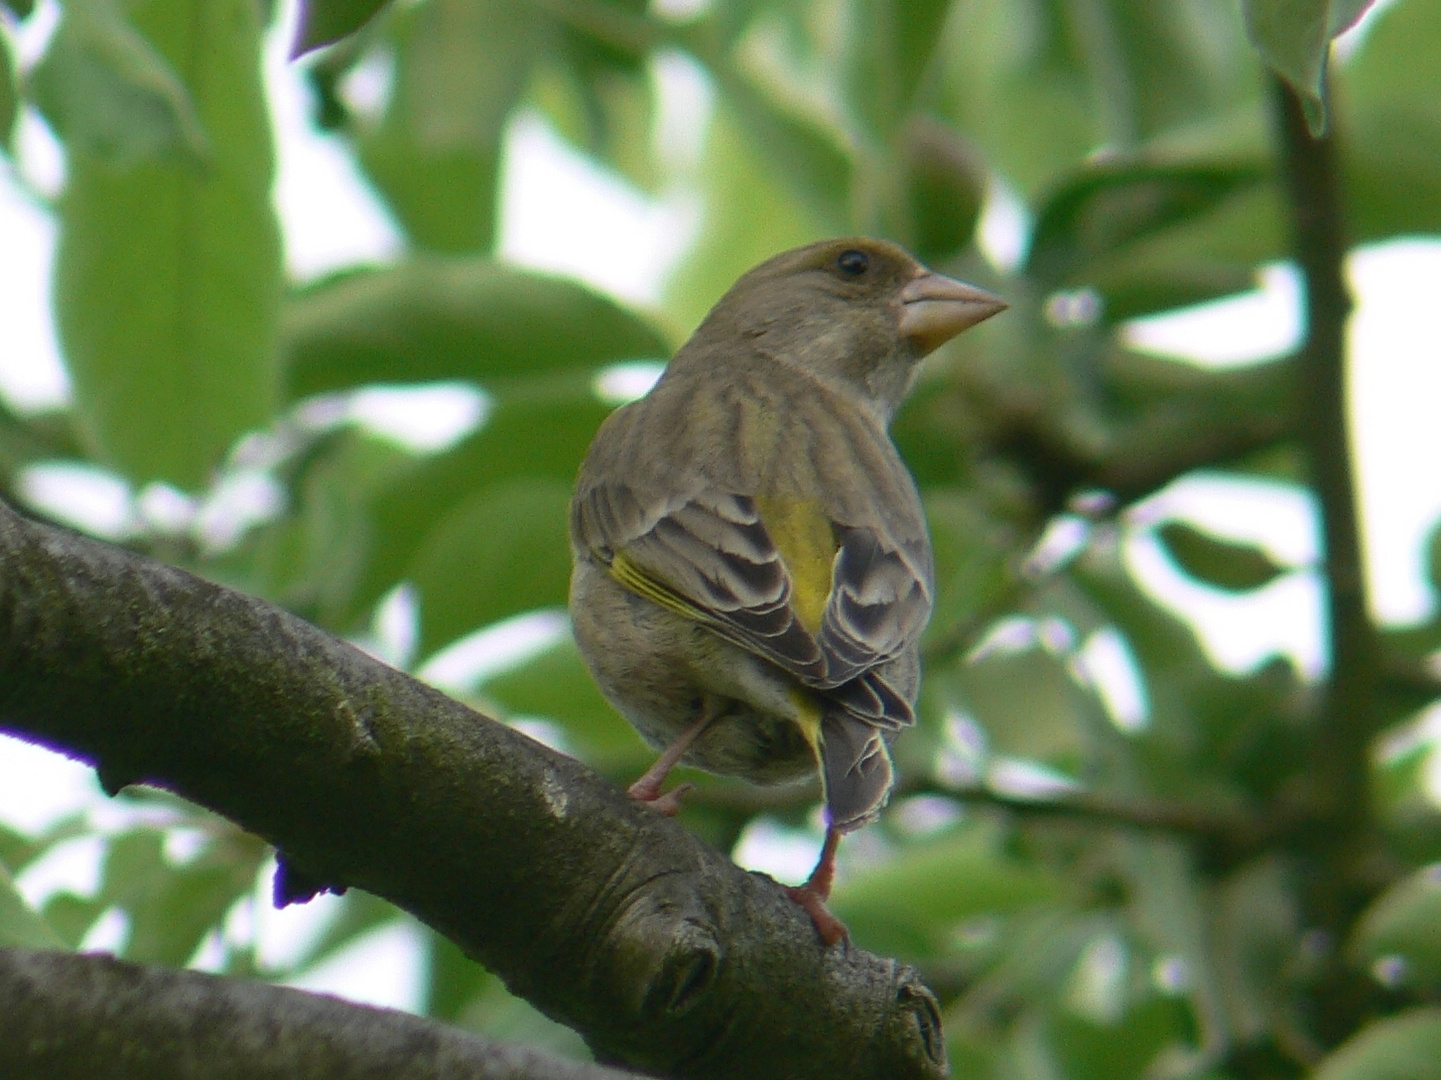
column 935, row 308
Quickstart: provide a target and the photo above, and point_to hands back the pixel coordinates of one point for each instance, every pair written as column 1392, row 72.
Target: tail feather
column 856, row 770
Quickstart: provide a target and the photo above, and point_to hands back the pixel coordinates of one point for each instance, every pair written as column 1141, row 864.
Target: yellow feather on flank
column 642, row 584
column 808, row 717
column 801, row 531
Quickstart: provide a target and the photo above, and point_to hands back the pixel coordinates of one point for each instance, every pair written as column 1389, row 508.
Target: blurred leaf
column 1404, row 923
column 971, row 554
column 464, row 993
column 597, row 91
column 9, row 100
column 1026, row 702
column 1041, row 84
column 359, row 913
column 944, row 882
column 311, row 560
column 750, row 213
column 1110, row 205
column 796, row 149
column 499, row 551
column 945, row 186
column 20, row 8
column 19, row 923
column 1127, row 1048
column 17, row 849
column 1402, row 1047
column 323, row 22
column 171, row 907
column 460, row 67
column 889, row 45
column 1294, row 38
column 1256, row 927
column 543, row 438
column 1222, row 563
column 1392, row 161
column 111, row 94
column 70, row 916
column 167, row 275
column 1396, row 64
column 1135, row 290
column 434, row 318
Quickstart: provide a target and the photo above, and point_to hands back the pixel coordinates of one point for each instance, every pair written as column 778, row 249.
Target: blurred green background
column 1131, row 146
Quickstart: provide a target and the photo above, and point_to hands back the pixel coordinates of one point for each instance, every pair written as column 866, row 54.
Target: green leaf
column 889, row 45
column 498, row 552
column 799, row 151
column 944, row 882
column 1396, row 65
column 19, row 923
column 1294, row 38
column 168, row 274
column 1392, row 163
column 945, row 185
column 435, row 155
column 1216, row 561
column 750, row 213
column 1392, row 146
column 324, row 22
column 111, row 94
column 1042, row 84
column 9, row 97
column 1109, row 206
column 437, row 318
column 1404, row 924
column 1402, row 1047
column 311, row 561
column 507, row 449
column 71, row 916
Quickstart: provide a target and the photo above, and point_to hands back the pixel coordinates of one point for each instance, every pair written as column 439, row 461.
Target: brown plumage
column 752, row 568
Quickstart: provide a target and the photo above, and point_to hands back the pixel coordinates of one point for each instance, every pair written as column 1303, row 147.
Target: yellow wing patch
column 801, row 531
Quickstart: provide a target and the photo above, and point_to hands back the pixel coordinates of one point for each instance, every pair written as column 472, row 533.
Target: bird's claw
column 667, row 804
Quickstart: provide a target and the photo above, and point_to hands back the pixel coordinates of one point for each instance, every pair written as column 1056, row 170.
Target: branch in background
column 1342, row 864
column 1348, row 720
column 603, row 914
column 104, row 1019
column 1238, row 830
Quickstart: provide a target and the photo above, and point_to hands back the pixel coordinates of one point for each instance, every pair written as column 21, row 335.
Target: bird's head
column 858, row 313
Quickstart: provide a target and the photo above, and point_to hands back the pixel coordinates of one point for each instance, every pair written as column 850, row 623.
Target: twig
column 1348, row 720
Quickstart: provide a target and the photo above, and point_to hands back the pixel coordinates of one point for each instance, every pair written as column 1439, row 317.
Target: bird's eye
column 853, row 263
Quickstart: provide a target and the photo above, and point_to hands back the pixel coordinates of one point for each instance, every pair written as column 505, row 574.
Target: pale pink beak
column 935, row 308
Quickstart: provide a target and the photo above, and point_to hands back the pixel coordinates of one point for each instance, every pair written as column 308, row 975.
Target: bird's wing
column 827, row 603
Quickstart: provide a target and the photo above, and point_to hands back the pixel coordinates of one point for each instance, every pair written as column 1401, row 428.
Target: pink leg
column 647, row 788
column 812, row 896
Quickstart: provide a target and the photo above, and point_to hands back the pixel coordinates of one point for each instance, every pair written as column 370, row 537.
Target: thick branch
column 97, row 1018
column 605, row 915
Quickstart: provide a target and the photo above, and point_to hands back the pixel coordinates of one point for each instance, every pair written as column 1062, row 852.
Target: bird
column 752, row 570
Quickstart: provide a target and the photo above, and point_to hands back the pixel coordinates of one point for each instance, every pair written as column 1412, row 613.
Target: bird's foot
column 647, row 791
column 813, row 903
column 812, row 896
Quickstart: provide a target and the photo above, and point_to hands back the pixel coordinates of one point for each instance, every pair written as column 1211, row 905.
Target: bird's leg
column 812, row 896
column 647, row 788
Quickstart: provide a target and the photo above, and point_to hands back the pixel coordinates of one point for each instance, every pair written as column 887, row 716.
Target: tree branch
column 1348, row 720
column 605, row 915
column 96, row 1017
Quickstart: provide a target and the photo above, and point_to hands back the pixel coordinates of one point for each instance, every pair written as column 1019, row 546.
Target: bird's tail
column 855, row 768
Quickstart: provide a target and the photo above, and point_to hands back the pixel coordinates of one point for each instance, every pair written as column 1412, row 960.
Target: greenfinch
column 752, row 571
